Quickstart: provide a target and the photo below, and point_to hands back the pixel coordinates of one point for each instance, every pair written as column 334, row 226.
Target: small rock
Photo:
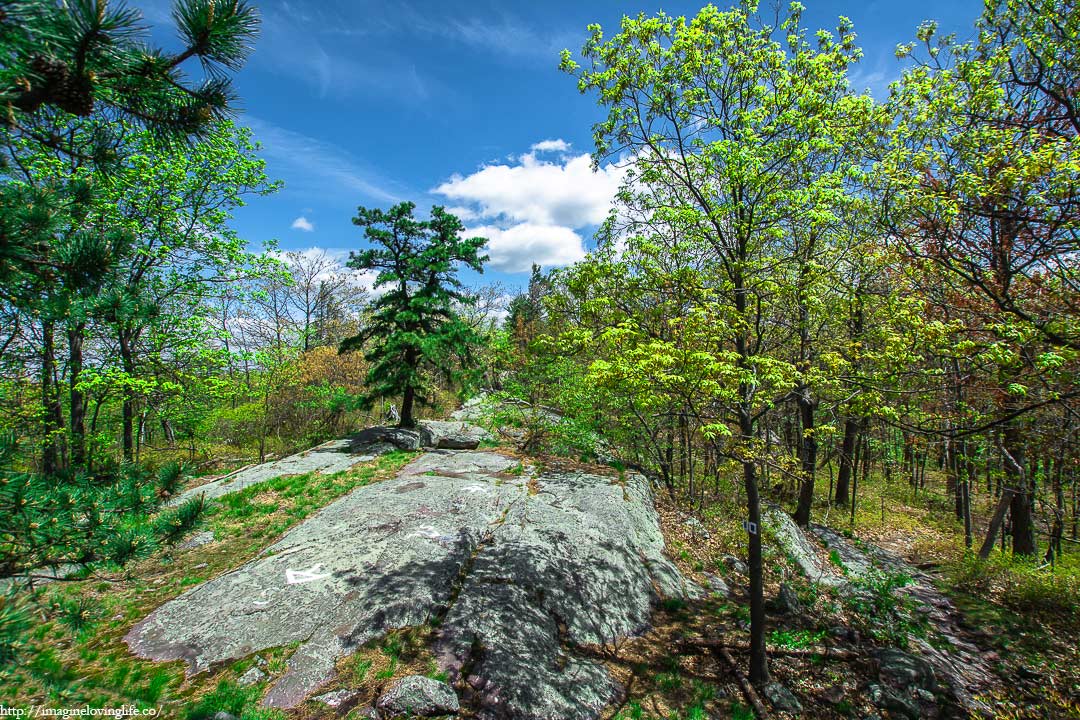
column 419, row 695
column 252, row 677
column 925, row 695
column 200, row 566
column 260, row 661
column 781, row 698
column 844, row 633
column 734, row 564
column 887, row 699
column 1028, row 673
column 336, row 698
column 197, row 540
column 717, row 585
column 697, row 528
column 786, row 601
column 222, row 715
column 833, row 694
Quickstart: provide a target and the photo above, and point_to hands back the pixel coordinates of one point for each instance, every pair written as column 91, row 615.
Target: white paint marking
column 296, row 577
column 476, row 489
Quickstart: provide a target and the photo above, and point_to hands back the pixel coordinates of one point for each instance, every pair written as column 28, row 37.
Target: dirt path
column 954, row 652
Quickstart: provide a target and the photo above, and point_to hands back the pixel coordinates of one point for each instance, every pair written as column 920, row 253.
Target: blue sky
column 461, row 103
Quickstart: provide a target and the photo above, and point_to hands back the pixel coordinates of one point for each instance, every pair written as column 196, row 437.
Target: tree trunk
column 52, row 410
column 128, row 404
column 859, row 453
column 1020, row 508
column 759, row 665
column 1058, row 528
column 847, row 457
column 809, row 458
column 1075, row 509
column 167, row 430
column 407, row 401
column 995, row 523
column 77, row 398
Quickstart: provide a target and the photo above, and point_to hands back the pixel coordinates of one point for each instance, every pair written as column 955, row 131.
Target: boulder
column 834, row 694
column 840, row 632
column 458, row 441
column 905, row 671
column 794, row 542
column 786, row 601
column 697, row 528
column 888, row 699
column 452, row 435
column 418, row 695
column 717, row 585
column 521, row 571
column 471, row 409
column 402, row 438
column 781, row 698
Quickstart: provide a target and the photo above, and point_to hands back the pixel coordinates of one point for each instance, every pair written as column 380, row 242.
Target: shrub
column 87, row 519
column 14, row 622
column 1021, row 584
column 174, row 523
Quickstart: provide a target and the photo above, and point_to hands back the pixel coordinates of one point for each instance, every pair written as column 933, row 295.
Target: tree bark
column 847, row 458
column 809, row 458
column 995, row 523
column 128, row 404
column 1020, row 507
column 52, row 410
column 759, row 666
column 77, row 398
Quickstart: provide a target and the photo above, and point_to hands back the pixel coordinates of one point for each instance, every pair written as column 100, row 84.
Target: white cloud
column 567, row 192
column 464, row 214
column 532, row 210
column 516, row 249
column 558, row 145
column 302, row 223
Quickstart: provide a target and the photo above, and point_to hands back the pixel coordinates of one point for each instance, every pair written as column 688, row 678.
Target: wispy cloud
column 307, row 45
column 505, row 34
column 317, row 167
column 875, row 76
column 559, row 145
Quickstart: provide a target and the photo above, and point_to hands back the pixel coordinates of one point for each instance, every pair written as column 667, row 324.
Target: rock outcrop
column 519, row 572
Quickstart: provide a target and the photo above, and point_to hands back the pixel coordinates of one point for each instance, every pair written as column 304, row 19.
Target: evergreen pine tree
column 414, row 328
column 76, row 78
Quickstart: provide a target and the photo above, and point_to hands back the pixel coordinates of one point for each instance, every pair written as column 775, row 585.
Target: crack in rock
column 518, row 578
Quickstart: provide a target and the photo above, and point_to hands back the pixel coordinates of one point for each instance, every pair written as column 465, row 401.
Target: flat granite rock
column 331, row 457
column 518, row 570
